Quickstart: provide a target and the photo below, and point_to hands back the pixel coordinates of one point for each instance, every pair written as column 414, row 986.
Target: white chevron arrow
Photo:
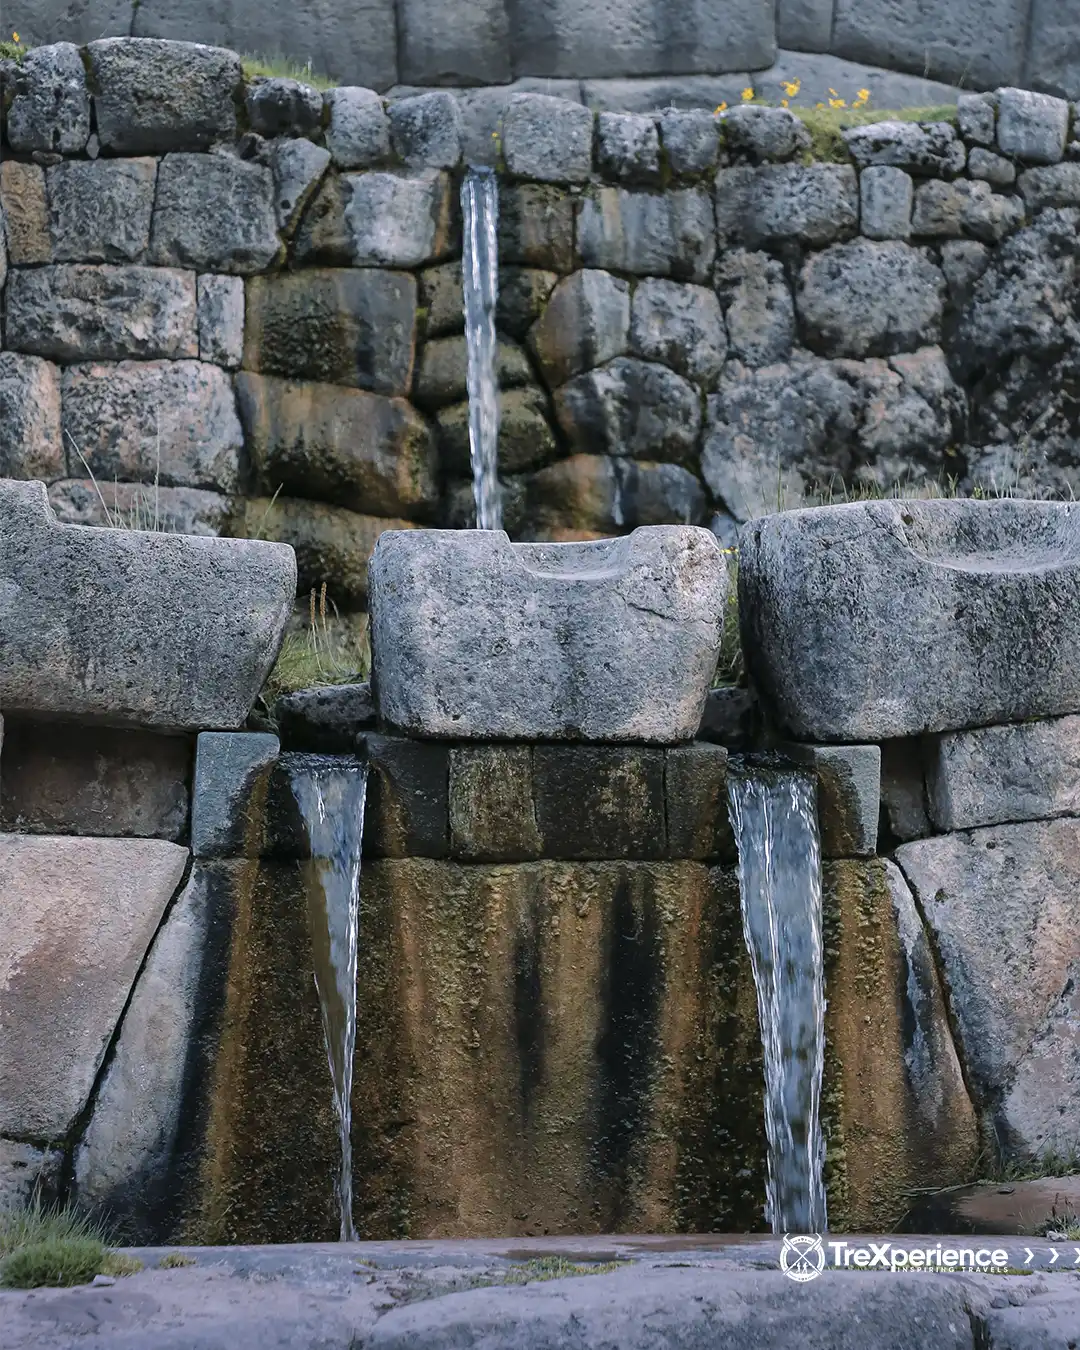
column 1030, row 1256
column 1054, row 1254
column 1077, row 1261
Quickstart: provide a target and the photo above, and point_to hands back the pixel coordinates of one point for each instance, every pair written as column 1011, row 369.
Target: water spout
column 774, row 816
column 480, row 282
column 330, row 792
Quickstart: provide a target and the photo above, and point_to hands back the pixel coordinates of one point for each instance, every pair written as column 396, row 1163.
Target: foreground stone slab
column 165, row 630
column 77, row 916
column 476, row 638
column 894, row 618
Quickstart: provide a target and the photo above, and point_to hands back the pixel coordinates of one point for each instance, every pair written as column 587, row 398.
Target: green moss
column 282, row 67
column 827, row 125
column 54, row 1262
column 559, row 1268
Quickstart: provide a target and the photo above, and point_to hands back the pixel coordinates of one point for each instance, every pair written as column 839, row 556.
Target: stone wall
column 251, row 294
column 382, row 43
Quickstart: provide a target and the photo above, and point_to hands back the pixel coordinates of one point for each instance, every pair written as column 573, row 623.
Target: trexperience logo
column 805, row 1256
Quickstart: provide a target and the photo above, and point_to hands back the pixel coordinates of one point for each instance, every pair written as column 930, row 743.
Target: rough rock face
column 143, row 638
column 442, row 602
column 884, row 619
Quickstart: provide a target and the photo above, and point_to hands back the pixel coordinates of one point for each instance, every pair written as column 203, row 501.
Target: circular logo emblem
column 803, row 1257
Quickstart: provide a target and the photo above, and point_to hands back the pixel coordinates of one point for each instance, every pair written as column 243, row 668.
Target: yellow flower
column 784, row 102
column 791, row 87
column 747, row 94
column 864, row 95
column 837, row 103
column 14, row 37
column 834, row 93
column 720, row 107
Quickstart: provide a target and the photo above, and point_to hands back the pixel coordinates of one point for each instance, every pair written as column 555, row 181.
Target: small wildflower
column 784, row 102
column 14, row 37
column 720, row 107
column 862, row 98
column 791, row 87
column 837, row 103
column 748, row 94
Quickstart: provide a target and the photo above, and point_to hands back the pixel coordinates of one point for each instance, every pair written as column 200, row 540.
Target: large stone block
column 94, row 781
column 641, row 37
column 695, row 796
column 350, row 327
column 298, row 167
column 50, row 103
column 151, row 97
column 442, row 373
column 78, row 312
column 408, row 805
column 225, row 798
column 759, row 310
column 143, row 638
column 963, row 208
column 354, row 41
column 1053, row 62
column 26, row 213
column 78, row 917
column 804, row 25
column 221, row 320
column 214, row 213
column 173, row 422
column 526, row 438
column 925, row 149
column 31, row 440
column 585, row 323
column 426, row 130
column 882, row 619
column 596, row 802
column 590, row 496
column 669, row 234
column 628, row 148
column 1032, row 127
column 100, row 209
column 549, row 139
column 761, row 135
column 325, row 720
column 331, row 544
column 813, row 205
column 691, row 140
column 492, row 807
column 870, row 299
column 682, row 326
column 631, row 407
column 281, row 106
column 1029, row 771
column 536, row 226
column 140, row 506
column 999, row 902
column 49, row 21
column 398, row 220
column 966, row 42
column 848, row 797
column 358, row 134
column 355, row 449
column 886, row 198
column 469, row 44
column 609, row 641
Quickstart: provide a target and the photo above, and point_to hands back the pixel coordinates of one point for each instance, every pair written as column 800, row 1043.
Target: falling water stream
column 774, row 816
column 480, row 281
column 330, row 792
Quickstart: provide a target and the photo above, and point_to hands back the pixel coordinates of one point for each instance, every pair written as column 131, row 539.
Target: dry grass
column 282, row 67
column 329, row 649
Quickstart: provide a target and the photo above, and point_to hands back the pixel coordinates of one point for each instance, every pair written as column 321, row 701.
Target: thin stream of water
column 774, row 816
column 330, row 792
column 480, row 282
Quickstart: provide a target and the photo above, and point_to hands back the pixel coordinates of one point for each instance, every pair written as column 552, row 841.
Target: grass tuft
column 827, row 125
column 559, row 1268
column 329, row 650
column 175, row 1261
column 56, row 1262
column 281, row 67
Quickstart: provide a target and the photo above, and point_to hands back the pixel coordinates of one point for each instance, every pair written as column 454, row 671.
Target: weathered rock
column 886, row 197
column 1050, row 185
column 848, row 798
column 87, row 313
column 355, row 449
column 695, row 795
column 325, row 720
column 134, row 1162
column 442, row 374
column 157, row 647
column 682, row 326
column 628, row 148
column 963, row 261
column 732, row 718
column 28, row 1175
column 898, row 1113
column 358, row 134
column 523, row 293
column 925, row 149
column 870, row 299
column 950, row 210
column 691, row 141
column 331, row 544
column 763, row 135
column 915, row 613
column 526, row 440
column 631, row 407
column 998, row 902
column 596, row 802
column 804, row 25
column 140, row 506
column 440, row 299
column 1030, row 771
column 913, row 412
column 50, row 103
column 903, row 790
column 426, row 131
column 813, row 205
column 78, row 915
column 168, row 421
column 280, row 106
column 472, row 596
column 100, row 209
column 592, row 495
column 94, row 781
column 408, row 809
column 586, row 322
column 26, row 213
column 214, row 213
column 976, row 116
column 151, row 97
column 395, row 220
column 352, row 327
column 468, row 45
column 1032, row 127
column 536, row 227
column 668, row 234
column 549, row 139
column 297, row 167
column 759, row 310
column 31, row 444
column 995, row 169
column 224, row 795
column 492, row 811
column 221, row 320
